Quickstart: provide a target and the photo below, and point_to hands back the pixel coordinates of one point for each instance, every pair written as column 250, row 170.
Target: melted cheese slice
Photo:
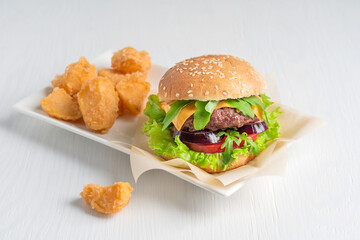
column 190, row 109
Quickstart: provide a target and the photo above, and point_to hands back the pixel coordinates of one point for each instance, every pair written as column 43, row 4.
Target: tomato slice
column 206, row 148
column 215, row 147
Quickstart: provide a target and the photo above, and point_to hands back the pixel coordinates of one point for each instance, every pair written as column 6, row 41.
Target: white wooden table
column 312, row 47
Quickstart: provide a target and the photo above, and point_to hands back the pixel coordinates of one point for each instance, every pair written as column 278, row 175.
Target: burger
column 212, row 112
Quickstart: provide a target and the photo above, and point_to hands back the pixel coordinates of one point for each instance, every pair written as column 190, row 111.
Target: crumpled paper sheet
column 270, row 162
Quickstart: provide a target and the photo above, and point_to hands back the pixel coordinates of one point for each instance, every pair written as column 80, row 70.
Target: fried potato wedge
column 98, row 103
column 76, row 74
column 115, row 76
column 61, row 105
column 132, row 95
column 128, row 60
column 58, row 81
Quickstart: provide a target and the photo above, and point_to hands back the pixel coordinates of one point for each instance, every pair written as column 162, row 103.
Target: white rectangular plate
column 122, row 131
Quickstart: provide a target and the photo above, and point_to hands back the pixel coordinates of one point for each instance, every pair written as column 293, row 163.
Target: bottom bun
column 240, row 161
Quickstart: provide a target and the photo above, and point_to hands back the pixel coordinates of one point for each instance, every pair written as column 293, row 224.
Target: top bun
column 211, row 77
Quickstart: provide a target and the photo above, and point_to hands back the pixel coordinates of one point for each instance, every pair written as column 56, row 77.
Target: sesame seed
column 165, row 94
column 189, row 91
column 207, row 93
column 177, row 95
column 225, row 93
column 216, row 87
column 190, row 95
column 164, row 88
column 191, row 85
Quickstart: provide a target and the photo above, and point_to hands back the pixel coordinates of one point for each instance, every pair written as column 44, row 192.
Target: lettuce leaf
column 153, row 109
column 273, row 131
column 162, row 142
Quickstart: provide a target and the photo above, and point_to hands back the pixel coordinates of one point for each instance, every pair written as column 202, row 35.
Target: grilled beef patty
column 221, row 118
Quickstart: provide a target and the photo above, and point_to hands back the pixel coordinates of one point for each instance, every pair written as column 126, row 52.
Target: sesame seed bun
column 211, row 77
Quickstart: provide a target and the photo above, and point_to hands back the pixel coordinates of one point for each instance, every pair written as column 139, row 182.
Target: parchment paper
column 270, row 162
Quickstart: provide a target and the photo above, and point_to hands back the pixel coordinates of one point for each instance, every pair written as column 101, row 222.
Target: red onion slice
column 202, row 137
column 255, row 128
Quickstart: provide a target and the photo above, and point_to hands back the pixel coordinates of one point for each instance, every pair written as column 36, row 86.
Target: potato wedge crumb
column 107, row 199
column 61, row 105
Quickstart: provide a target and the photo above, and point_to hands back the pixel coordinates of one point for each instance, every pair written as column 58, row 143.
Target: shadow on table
column 72, row 147
column 80, row 204
column 154, row 186
column 169, row 191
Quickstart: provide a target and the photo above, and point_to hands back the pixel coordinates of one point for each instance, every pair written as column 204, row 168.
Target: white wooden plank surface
column 312, row 47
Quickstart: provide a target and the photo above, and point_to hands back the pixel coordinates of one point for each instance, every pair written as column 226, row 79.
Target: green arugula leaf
column 234, row 136
column 255, row 101
column 153, row 109
column 228, row 145
column 175, row 108
column 266, row 100
column 203, row 113
column 230, row 137
column 242, row 106
column 233, row 133
column 219, row 134
column 211, row 105
column 236, row 140
column 254, row 149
